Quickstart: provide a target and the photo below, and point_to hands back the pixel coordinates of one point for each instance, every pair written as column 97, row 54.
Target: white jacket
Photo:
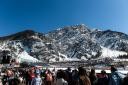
column 61, row 81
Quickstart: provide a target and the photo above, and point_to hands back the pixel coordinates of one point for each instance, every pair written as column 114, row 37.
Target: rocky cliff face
column 69, row 43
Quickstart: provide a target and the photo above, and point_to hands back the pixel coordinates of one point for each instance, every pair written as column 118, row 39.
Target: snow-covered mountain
column 69, row 43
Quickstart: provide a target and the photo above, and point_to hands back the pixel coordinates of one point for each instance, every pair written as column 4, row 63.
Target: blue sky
column 46, row 15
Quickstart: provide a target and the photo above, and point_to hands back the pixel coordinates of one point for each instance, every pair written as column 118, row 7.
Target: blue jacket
column 116, row 78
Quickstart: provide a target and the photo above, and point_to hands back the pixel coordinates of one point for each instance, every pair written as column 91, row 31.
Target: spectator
column 103, row 79
column 75, row 77
column 49, row 78
column 115, row 77
column 60, row 78
column 93, row 77
column 68, row 75
column 37, row 80
column 31, row 75
column 125, row 80
column 83, row 78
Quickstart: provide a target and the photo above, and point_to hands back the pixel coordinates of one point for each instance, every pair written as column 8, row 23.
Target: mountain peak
column 70, row 42
column 29, row 31
column 19, row 35
column 78, row 27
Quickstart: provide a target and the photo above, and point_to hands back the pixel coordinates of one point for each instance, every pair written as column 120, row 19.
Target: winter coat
column 103, row 80
column 61, row 81
column 36, row 81
column 116, row 78
column 125, row 81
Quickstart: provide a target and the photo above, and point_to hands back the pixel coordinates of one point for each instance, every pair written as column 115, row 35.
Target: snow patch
column 25, row 57
column 111, row 53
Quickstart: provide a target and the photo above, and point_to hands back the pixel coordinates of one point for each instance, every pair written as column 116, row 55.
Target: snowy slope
column 111, row 53
column 25, row 57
